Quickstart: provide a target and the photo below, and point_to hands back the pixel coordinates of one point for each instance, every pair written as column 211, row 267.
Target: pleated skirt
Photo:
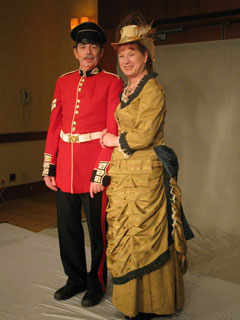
column 160, row 292
column 138, row 238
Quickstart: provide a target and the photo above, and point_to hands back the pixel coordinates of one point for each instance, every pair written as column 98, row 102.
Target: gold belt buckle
column 73, row 139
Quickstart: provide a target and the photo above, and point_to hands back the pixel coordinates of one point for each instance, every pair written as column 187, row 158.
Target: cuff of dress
column 99, row 175
column 124, row 146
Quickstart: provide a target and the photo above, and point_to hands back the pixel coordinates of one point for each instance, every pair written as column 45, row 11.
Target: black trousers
column 71, row 239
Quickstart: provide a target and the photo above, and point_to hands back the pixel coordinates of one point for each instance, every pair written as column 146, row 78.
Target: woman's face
column 131, row 60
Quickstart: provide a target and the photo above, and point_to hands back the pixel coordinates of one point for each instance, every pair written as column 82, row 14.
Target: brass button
column 77, row 112
column 73, row 129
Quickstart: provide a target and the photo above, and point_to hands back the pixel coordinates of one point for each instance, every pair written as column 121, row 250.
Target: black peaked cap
column 88, row 32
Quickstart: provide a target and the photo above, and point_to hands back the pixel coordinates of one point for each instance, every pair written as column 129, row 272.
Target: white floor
column 30, row 272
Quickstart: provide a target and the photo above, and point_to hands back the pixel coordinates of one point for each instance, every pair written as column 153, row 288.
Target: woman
column 146, row 252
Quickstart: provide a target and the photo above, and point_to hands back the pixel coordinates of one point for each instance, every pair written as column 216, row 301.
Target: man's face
column 88, row 55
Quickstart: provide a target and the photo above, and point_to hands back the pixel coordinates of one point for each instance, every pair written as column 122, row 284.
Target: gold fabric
column 143, row 118
column 137, row 212
column 160, row 292
column 180, row 243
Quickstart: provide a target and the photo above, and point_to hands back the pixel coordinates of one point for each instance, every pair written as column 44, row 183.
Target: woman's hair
column 135, row 17
column 149, row 63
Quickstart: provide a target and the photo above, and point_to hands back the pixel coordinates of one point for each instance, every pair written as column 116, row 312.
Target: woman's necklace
column 128, row 90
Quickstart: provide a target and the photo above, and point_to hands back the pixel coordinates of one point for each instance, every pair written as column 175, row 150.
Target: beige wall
column 203, row 127
column 35, row 49
column 24, row 159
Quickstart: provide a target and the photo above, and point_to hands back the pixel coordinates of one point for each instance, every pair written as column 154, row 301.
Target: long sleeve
column 151, row 113
column 53, row 136
column 101, row 167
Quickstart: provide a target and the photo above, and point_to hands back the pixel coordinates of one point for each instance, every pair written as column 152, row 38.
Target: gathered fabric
column 146, row 251
column 137, row 222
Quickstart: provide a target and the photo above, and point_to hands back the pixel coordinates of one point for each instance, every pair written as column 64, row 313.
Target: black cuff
column 105, row 180
column 124, row 145
column 52, row 170
column 49, row 170
column 99, row 175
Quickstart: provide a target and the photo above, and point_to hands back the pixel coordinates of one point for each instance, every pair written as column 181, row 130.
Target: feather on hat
column 133, row 28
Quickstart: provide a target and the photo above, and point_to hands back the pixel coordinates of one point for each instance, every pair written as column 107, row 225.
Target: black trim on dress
column 138, row 273
column 122, row 140
column 124, row 145
column 138, row 89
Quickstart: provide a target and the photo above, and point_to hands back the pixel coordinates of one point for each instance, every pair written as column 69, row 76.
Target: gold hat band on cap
column 89, row 30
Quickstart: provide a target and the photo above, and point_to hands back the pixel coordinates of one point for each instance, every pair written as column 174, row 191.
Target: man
column 82, row 103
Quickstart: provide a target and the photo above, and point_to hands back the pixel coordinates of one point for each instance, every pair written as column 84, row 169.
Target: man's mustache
column 89, row 56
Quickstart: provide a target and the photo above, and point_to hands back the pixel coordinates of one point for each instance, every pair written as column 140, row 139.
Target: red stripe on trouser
column 103, row 217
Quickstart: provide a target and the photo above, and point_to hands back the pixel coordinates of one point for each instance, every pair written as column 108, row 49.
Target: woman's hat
column 88, row 32
column 134, row 33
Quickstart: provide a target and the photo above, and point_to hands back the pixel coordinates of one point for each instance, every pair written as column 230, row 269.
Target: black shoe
column 142, row 316
column 146, row 316
column 91, row 298
column 67, row 292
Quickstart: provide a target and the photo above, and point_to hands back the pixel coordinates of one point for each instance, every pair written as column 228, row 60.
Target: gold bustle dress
column 147, row 271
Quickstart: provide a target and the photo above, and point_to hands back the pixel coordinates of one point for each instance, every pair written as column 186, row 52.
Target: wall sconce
column 76, row 21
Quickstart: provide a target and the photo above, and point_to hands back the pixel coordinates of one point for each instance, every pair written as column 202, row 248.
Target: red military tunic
column 81, row 104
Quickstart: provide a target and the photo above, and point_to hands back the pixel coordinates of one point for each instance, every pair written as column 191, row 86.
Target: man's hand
column 95, row 188
column 50, row 183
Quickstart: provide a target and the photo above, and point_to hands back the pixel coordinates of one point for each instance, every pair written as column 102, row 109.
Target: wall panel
column 203, row 127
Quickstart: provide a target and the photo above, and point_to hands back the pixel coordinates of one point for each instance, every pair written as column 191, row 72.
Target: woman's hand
column 101, row 138
column 95, row 188
column 110, row 140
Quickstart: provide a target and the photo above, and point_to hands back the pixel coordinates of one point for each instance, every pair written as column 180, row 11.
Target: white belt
column 78, row 138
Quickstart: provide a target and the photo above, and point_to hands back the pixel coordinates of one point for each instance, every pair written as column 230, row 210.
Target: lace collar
column 138, row 89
